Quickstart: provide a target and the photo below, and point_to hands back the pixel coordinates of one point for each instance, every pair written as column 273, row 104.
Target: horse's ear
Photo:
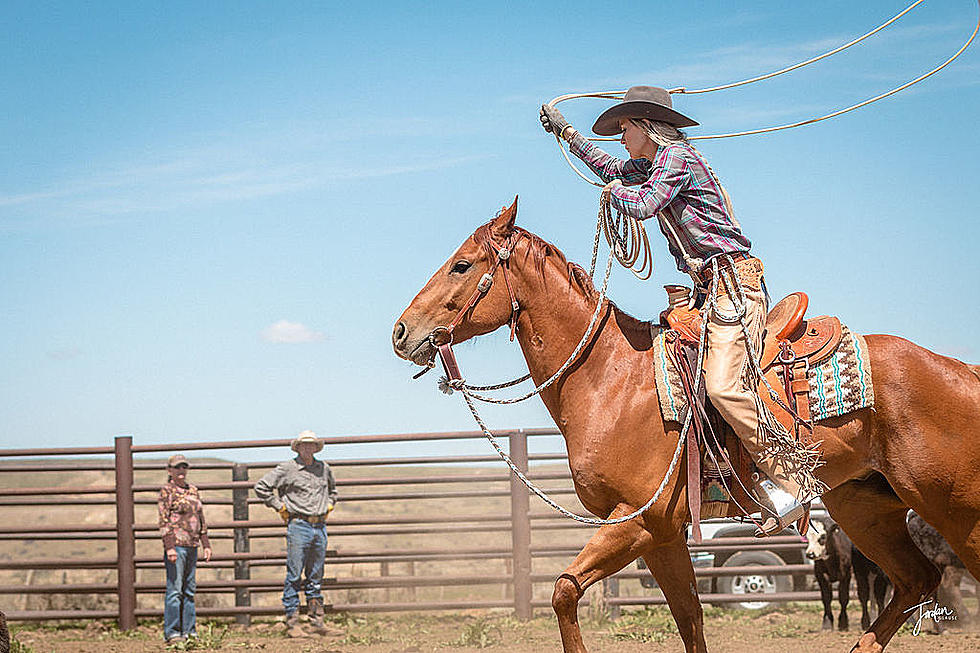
column 503, row 224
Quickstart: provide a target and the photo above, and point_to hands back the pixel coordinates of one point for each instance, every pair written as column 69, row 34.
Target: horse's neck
column 554, row 318
column 603, row 403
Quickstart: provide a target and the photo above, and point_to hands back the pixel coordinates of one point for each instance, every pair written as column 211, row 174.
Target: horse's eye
column 461, row 267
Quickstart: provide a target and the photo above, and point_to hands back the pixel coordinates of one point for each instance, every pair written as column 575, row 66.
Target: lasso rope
column 618, row 95
column 776, row 73
column 627, row 240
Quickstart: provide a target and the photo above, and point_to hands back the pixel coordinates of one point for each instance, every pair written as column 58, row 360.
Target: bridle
column 441, row 337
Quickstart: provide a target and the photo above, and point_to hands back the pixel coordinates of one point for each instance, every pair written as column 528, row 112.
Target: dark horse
column 918, row 448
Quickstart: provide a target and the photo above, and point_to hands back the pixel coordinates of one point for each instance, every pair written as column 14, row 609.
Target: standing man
column 182, row 528
column 303, row 492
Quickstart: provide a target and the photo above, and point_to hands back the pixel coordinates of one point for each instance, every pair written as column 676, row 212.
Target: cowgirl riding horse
column 667, row 177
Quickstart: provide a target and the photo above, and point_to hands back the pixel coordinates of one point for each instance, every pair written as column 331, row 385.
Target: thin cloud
column 65, row 354
column 741, row 61
column 924, row 31
column 199, row 177
column 291, row 333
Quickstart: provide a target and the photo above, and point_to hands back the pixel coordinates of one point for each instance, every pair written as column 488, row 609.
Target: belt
column 310, row 519
column 705, row 273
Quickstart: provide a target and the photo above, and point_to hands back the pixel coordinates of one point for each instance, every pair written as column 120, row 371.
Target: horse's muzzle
column 399, row 335
column 419, row 351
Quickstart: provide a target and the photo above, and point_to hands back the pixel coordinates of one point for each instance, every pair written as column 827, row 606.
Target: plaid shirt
column 678, row 184
column 303, row 489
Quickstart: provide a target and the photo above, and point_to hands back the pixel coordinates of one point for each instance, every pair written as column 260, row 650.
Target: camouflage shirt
column 182, row 516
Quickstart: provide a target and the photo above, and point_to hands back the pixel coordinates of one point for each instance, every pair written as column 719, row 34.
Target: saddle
column 791, row 345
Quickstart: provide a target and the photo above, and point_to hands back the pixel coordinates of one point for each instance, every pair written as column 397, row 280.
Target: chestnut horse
column 919, row 448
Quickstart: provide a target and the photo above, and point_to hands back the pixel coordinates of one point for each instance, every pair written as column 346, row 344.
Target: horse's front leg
column 671, row 566
column 611, row 548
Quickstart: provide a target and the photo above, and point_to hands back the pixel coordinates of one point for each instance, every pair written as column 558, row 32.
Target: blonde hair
column 664, row 134
column 661, row 133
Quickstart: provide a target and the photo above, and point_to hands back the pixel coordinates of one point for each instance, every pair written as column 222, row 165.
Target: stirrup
column 788, row 509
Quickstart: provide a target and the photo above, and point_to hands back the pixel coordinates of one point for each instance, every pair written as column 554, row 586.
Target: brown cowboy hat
column 651, row 102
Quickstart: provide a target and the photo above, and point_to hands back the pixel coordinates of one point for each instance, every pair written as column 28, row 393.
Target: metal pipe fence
column 517, row 567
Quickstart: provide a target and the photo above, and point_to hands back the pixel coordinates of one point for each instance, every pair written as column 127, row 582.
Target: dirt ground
column 791, row 628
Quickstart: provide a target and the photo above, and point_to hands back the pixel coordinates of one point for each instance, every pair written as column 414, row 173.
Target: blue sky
column 212, row 213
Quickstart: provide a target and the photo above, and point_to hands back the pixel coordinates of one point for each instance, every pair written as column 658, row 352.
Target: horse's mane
column 539, row 250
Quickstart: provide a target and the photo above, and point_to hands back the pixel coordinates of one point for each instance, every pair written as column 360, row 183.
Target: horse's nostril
column 398, row 335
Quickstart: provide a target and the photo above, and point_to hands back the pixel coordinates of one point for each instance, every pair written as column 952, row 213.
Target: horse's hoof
column 867, row 644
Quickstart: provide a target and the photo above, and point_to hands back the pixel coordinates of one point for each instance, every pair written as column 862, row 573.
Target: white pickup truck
column 760, row 583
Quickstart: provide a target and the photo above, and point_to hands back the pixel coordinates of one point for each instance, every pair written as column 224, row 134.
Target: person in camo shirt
column 182, row 528
column 303, row 491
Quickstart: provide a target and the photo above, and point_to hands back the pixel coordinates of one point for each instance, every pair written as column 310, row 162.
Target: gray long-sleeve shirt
column 303, row 489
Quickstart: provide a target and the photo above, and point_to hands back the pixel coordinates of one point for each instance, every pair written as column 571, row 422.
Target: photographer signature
column 936, row 613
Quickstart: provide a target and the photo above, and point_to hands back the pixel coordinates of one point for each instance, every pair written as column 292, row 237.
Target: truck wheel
column 754, row 583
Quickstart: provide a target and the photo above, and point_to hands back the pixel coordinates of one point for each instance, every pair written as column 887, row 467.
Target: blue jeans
column 306, row 547
column 179, row 617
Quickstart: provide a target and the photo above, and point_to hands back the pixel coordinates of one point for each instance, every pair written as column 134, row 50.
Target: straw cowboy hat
column 307, row 436
column 651, row 102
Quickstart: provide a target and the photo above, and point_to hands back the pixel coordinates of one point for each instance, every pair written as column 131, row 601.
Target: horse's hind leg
column 874, row 518
column 611, row 548
column 671, row 566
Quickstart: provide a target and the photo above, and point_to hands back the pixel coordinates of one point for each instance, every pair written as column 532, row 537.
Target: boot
column 293, row 627
column 316, row 612
column 787, row 508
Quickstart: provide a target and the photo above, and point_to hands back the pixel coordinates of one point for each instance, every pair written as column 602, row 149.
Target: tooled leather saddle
column 719, row 468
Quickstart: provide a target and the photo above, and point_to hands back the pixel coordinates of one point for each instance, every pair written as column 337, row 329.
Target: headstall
column 442, row 336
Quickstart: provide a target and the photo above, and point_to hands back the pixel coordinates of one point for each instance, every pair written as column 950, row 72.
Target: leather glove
column 552, row 120
column 284, row 513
